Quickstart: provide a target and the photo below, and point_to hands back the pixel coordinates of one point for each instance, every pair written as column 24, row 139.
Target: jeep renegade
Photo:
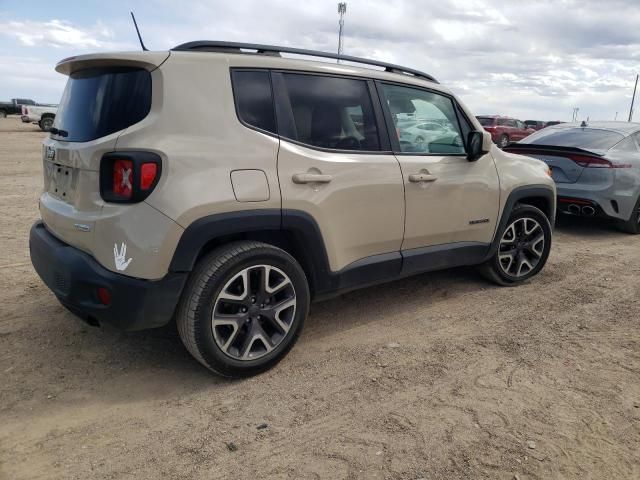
column 226, row 186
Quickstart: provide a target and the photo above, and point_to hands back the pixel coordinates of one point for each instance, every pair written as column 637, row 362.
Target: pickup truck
column 43, row 115
column 14, row 107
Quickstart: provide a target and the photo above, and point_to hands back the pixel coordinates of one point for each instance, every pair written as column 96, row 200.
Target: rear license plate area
column 60, row 180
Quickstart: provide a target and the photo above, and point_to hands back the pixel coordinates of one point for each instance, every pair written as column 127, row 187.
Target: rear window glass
column 585, row 138
column 254, row 102
column 98, row 102
column 486, row 122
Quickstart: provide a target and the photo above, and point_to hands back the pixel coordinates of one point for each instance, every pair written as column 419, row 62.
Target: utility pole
column 616, row 117
column 574, row 118
column 633, row 98
column 342, row 10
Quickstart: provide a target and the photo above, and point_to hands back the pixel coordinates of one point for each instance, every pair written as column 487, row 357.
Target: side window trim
column 284, row 111
column 395, row 142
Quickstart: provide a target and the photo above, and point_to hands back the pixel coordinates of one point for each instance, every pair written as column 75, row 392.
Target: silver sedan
column 596, row 167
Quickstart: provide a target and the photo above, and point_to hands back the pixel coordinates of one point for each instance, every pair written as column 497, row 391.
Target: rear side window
column 100, row 101
column 329, row 112
column 626, row 145
column 254, row 101
column 586, row 138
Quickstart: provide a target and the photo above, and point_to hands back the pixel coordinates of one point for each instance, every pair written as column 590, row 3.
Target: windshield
column 100, row 101
column 486, row 121
column 585, row 138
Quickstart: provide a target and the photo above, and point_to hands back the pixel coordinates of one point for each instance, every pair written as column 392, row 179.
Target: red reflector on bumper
column 104, row 295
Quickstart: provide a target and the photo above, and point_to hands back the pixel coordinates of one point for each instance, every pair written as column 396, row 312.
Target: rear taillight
column 596, row 162
column 122, row 179
column 148, row 174
column 129, row 177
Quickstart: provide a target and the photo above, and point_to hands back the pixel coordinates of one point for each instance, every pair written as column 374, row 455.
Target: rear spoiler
column 147, row 60
column 534, row 148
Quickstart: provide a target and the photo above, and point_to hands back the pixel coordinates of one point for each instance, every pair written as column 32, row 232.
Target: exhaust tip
column 574, row 209
column 588, row 211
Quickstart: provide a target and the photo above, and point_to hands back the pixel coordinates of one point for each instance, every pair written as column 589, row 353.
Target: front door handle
column 422, row 177
column 311, row 178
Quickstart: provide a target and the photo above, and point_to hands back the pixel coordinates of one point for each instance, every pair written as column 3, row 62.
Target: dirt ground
column 441, row 376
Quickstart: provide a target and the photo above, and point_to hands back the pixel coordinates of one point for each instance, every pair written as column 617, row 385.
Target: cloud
column 59, row 34
column 534, row 59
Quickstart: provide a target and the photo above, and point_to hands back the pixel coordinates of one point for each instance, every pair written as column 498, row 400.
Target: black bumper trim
column 74, row 276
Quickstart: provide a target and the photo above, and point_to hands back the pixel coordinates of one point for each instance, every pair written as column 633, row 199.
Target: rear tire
column 523, row 248
column 46, row 123
column 632, row 225
column 243, row 308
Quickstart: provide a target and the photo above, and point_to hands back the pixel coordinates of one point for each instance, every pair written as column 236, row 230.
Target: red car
column 504, row 130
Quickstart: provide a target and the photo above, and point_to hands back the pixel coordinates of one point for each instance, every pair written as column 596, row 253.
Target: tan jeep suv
column 226, row 186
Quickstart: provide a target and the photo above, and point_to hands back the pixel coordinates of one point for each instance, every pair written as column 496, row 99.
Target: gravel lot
column 441, row 376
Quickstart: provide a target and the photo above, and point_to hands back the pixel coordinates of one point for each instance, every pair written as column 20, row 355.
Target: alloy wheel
column 521, row 247
column 253, row 312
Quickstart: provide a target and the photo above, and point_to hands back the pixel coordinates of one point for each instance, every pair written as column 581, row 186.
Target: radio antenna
column 135, row 24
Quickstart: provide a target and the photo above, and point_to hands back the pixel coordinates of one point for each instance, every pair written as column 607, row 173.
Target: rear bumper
column 607, row 201
column 74, row 277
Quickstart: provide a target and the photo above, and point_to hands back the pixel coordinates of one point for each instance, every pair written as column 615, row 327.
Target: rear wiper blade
column 60, row 133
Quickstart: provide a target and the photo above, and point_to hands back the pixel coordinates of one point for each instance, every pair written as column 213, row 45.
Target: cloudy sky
column 531, row 59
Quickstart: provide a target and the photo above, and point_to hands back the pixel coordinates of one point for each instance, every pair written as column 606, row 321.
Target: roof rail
column 235, row 47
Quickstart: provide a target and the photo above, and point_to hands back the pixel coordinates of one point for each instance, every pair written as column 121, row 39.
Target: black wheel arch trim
column 310, row 250
column 516, row 196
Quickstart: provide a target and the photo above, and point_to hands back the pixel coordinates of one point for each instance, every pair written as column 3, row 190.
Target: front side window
column 441, row 134
column 254, row 102
column 329, row 112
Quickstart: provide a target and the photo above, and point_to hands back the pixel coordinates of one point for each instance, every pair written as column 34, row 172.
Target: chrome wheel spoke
column 521, row 247
column 241, row 280
column 232, row 321
column 253, row 312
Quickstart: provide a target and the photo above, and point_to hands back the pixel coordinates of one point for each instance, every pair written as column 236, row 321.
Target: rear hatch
column 104, row 95
column 568, row 151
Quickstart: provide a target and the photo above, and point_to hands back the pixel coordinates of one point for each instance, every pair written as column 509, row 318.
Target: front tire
column 243, row 308
column 523, row 249
column 503, row 141
column 3, row 114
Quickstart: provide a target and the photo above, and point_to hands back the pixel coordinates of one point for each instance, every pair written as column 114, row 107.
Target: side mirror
column 475, row 145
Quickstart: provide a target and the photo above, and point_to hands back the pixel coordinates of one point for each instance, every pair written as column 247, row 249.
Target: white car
column 423, row 133
column 43, row 115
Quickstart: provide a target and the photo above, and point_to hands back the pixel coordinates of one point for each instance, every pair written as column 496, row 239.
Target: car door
column 334, row 165
column 449, row 201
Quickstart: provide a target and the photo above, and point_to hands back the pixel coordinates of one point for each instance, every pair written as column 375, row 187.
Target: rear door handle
column 422, row 177
column 311, row 178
